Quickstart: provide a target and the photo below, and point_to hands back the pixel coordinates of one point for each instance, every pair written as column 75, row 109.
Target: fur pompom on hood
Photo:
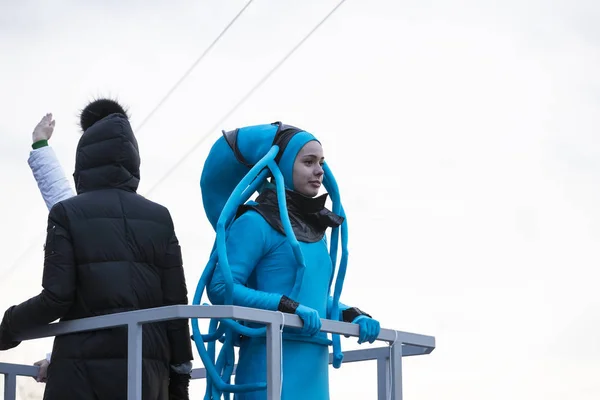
column 97, row 110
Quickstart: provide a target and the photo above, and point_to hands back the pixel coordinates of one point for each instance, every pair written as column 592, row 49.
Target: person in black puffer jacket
column 108, row 250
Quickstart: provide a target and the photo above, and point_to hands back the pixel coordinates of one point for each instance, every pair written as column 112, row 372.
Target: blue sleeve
column 247, row 242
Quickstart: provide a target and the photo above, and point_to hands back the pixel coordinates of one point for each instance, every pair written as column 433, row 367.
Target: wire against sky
column 242, row 100
column 35, row 241
column 189, row 71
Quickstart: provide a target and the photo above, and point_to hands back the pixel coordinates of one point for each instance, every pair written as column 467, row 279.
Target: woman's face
column 308, row 169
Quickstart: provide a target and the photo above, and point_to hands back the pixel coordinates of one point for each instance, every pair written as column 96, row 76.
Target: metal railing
column 389, row 359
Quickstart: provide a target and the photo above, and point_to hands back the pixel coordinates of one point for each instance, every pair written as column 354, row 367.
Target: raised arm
column 49, row 175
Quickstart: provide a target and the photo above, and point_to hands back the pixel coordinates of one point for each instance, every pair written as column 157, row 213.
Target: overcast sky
column 463, row 135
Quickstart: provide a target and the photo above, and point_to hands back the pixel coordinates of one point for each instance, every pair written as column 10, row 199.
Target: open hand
column 44, row 129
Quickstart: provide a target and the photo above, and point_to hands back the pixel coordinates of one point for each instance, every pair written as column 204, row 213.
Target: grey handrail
column 401, row 343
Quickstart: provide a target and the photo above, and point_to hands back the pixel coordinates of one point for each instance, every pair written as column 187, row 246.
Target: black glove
column 6, row 341
column 178, row 386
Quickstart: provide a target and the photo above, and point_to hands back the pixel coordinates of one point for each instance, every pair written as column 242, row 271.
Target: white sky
column 463, row 135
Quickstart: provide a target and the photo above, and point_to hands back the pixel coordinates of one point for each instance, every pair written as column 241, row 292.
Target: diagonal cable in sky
column 191, row 68
column 242, row 100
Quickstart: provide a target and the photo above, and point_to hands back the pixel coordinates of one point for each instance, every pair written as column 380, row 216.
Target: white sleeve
column 49, row 175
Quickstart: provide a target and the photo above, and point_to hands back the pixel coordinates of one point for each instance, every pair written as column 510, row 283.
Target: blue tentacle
column 211, row 354
column 287, row 226
column 332, row 188
column 213, row 333
column 228, row 212
column 229, row 362
column 212, row 392
column 255, row 185
column 219, row 365
column 339, row 283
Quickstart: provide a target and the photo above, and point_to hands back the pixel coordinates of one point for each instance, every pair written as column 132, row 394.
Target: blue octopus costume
column 271, row 254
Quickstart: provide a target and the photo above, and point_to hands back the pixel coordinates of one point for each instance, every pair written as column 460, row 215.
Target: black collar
column 308, row 216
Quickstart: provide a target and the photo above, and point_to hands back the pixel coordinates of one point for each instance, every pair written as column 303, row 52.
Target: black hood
column 107, row 156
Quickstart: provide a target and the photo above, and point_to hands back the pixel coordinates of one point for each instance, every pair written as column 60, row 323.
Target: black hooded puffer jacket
column 109, row 250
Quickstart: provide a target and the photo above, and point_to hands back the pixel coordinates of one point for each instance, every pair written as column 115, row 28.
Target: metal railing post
column 273, row 362
column 134, row 361
column 10, row 386
column 396, row 366
column 383, row 376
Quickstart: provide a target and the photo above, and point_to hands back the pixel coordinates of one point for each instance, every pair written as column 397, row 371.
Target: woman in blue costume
column 264, row 269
